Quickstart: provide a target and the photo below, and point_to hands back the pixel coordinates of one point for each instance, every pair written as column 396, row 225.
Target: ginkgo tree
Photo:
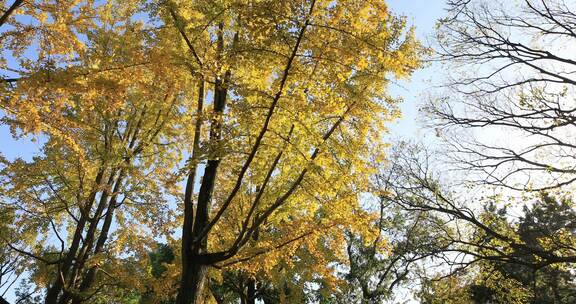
column 279, row 107
column 112, row 115
column 297, row 102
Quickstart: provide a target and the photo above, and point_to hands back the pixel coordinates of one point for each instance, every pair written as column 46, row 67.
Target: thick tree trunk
column 194, row 280
column 194, row 271
column 194, row 275
column 187, row 254
column 188, row 282
column 251, row 292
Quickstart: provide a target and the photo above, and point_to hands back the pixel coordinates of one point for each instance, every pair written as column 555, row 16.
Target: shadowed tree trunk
column 251, row 292
column 193, row 270
column 188, row 204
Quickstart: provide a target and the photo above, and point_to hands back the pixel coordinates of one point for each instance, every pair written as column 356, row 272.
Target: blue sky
column 423, row 14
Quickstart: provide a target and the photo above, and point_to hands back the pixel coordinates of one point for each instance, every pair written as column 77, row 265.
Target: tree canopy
column 231, row 151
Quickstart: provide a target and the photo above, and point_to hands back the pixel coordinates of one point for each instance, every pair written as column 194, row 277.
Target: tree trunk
column 187, row 254
column 84, row 252
column 251, row 292
column 191, row 292
column 63, row 269
column 88, row 278
column 193, row 277
column 194, row 273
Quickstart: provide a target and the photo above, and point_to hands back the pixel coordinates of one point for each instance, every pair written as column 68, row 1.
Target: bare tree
column 470, row 235
column 512, row 73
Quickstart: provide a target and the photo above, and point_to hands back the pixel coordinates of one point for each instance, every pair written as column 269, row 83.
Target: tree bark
column 251, row 292
column 194, row 270
column 188, row 203
column 194, row 281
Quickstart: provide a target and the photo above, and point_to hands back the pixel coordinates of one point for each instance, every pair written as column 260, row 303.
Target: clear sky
column 421, row 13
